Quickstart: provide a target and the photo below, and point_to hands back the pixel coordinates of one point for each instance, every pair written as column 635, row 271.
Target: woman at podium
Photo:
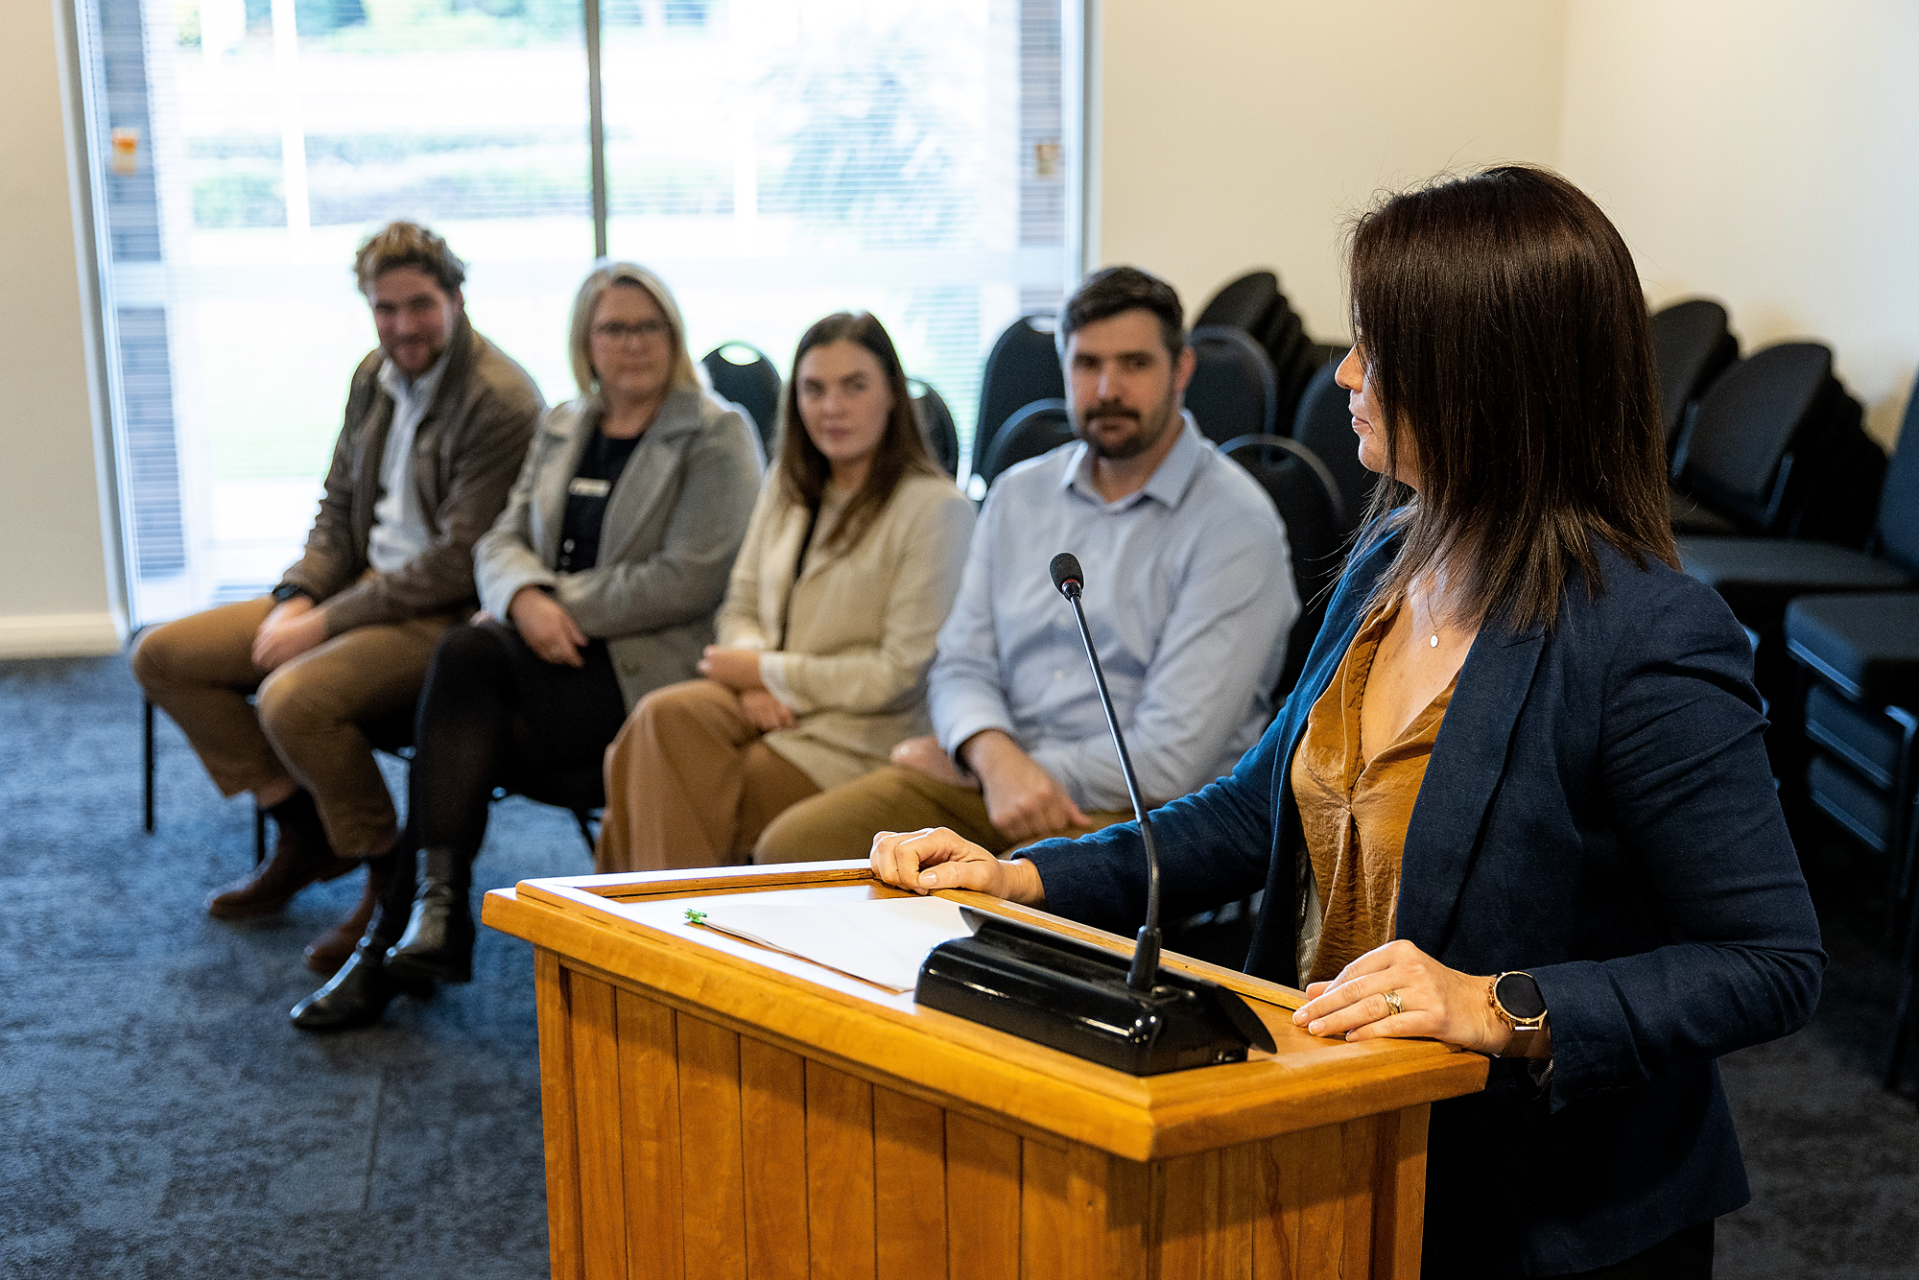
column 1519, row 800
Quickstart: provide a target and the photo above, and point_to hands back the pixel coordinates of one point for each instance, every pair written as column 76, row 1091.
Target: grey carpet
column 158, row 1117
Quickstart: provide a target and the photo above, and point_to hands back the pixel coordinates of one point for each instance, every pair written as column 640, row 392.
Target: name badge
column 583, row 487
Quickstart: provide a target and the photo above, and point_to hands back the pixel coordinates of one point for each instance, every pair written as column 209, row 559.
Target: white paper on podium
column 881, row 940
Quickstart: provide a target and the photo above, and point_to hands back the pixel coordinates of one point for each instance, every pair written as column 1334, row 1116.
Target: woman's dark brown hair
column 804, row 469
column 1504, row 334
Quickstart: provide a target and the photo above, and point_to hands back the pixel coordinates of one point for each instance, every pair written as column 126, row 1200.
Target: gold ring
column 1392, row 1002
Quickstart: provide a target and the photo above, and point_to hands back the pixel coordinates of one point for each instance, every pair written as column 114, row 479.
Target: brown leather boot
column 327, row 952
column 301, row 855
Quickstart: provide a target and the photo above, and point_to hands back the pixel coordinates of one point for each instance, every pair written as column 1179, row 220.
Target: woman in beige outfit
column 851, row 563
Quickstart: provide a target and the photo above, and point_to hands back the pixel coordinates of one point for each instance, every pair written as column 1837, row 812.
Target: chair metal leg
column 146, row 761
column 585, row 819
column 1902, row 1020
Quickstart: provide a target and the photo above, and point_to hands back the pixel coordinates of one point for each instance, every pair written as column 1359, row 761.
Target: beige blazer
column 861, row 626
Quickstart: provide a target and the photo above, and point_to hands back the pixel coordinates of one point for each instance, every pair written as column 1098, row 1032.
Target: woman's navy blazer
column 1598, row 811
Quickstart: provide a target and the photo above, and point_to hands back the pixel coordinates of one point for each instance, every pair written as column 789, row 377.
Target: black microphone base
column 1073, row 996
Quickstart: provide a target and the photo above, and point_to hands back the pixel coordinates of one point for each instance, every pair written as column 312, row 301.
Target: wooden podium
column 713, row 1108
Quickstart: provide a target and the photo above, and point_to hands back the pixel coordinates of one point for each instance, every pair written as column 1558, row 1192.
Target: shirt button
column 567, row 545
column 1059, row 675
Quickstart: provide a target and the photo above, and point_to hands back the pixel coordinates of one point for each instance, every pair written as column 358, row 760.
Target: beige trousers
column 689, row 783
column 842, row 822
column 304, row 720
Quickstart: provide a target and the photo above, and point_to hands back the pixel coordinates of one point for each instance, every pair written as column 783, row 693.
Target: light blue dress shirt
column 1189, row 594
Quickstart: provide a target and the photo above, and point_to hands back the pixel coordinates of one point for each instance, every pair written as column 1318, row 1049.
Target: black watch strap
column 286, row 591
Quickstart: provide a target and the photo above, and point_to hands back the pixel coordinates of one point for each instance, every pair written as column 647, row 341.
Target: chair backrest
column 1762, row 434
column 1242, row 304
column 1233, row 392
column 1022, row 367
column 1037, row 428
column 936, row 424
column 1253, row 303
column 1309, row 503
column 1899, row 500
column 1325, row 425
column 1690, row 347
column 740, row 372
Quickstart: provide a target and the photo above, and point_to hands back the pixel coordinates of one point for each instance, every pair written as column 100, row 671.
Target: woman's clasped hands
column 739, row 670
column 1426, row 999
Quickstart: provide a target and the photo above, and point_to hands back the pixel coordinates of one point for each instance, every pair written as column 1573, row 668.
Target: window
column 772, row 161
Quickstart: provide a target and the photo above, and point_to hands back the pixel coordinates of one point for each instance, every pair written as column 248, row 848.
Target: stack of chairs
column 1691, row 346
column 1795, row 516
column 1254, row 305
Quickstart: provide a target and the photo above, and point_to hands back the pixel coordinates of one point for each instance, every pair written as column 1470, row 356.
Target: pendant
column 1435, row 643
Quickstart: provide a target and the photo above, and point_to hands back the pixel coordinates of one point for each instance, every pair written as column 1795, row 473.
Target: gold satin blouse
column 1354, row 812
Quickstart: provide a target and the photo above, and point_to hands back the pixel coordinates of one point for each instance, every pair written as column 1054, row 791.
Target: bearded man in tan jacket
column 274, row 693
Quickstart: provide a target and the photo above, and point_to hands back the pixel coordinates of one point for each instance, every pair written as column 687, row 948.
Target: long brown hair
column 1503, row 329
column 804, row 469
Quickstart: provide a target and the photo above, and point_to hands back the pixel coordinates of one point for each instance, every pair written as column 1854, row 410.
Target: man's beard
column 1152, row 425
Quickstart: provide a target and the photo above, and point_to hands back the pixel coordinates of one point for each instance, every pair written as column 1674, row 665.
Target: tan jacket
column 673, row 525
column 466, row 451
column 861, row 625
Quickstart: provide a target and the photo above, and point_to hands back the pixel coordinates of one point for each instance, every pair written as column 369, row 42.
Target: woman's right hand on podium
column 936, row 858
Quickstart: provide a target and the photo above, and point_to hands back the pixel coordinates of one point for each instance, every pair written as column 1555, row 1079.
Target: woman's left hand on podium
column 1433, row 1001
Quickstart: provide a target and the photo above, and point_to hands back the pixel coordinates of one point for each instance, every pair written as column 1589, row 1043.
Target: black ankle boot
column 358, row 994
column 438, row 942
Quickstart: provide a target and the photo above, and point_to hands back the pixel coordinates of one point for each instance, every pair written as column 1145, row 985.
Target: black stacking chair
column 1325, row 425
column 1023, row 367
column 1690, row 347
column 1759, row 576
column 1861, row 717
column 1244, row 304
column 936, row 424
column 1309, row 502
column 740, row 372
column 1037, row 428
column 1233, row 392
column 1254, row 303
column 1773, row 450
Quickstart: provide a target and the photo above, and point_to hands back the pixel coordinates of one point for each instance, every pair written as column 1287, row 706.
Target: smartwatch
column 1516, row 998
column 286, row 591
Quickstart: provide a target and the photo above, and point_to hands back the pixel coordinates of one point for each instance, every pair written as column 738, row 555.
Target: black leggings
column 494, row 713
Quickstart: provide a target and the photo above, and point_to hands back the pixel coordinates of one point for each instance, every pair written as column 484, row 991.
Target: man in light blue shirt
column 1189, row 594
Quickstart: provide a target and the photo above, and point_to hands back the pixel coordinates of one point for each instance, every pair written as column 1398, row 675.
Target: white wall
column 53, row 580
column 1242, row 133
column 1765, row 152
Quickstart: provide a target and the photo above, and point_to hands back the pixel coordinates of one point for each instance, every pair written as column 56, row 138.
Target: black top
column 600, row 465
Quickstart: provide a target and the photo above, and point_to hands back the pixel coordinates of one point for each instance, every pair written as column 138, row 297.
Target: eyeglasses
column 620, row 331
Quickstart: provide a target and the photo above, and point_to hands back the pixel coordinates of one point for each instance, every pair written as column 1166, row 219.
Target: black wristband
column 286, row 591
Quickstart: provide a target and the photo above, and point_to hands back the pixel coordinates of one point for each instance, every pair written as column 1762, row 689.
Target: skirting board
column 58, row 635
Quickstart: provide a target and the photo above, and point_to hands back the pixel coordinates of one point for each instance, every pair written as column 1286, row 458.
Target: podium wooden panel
column 716, row 1109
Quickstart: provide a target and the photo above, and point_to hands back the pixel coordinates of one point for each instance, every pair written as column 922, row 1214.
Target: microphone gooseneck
column 1069, row 581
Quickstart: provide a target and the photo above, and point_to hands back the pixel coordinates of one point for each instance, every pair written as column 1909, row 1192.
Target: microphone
column 1079, row 997
column 1069, row 581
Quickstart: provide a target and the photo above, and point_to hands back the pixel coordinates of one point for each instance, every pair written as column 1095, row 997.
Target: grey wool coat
column 674, row 522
